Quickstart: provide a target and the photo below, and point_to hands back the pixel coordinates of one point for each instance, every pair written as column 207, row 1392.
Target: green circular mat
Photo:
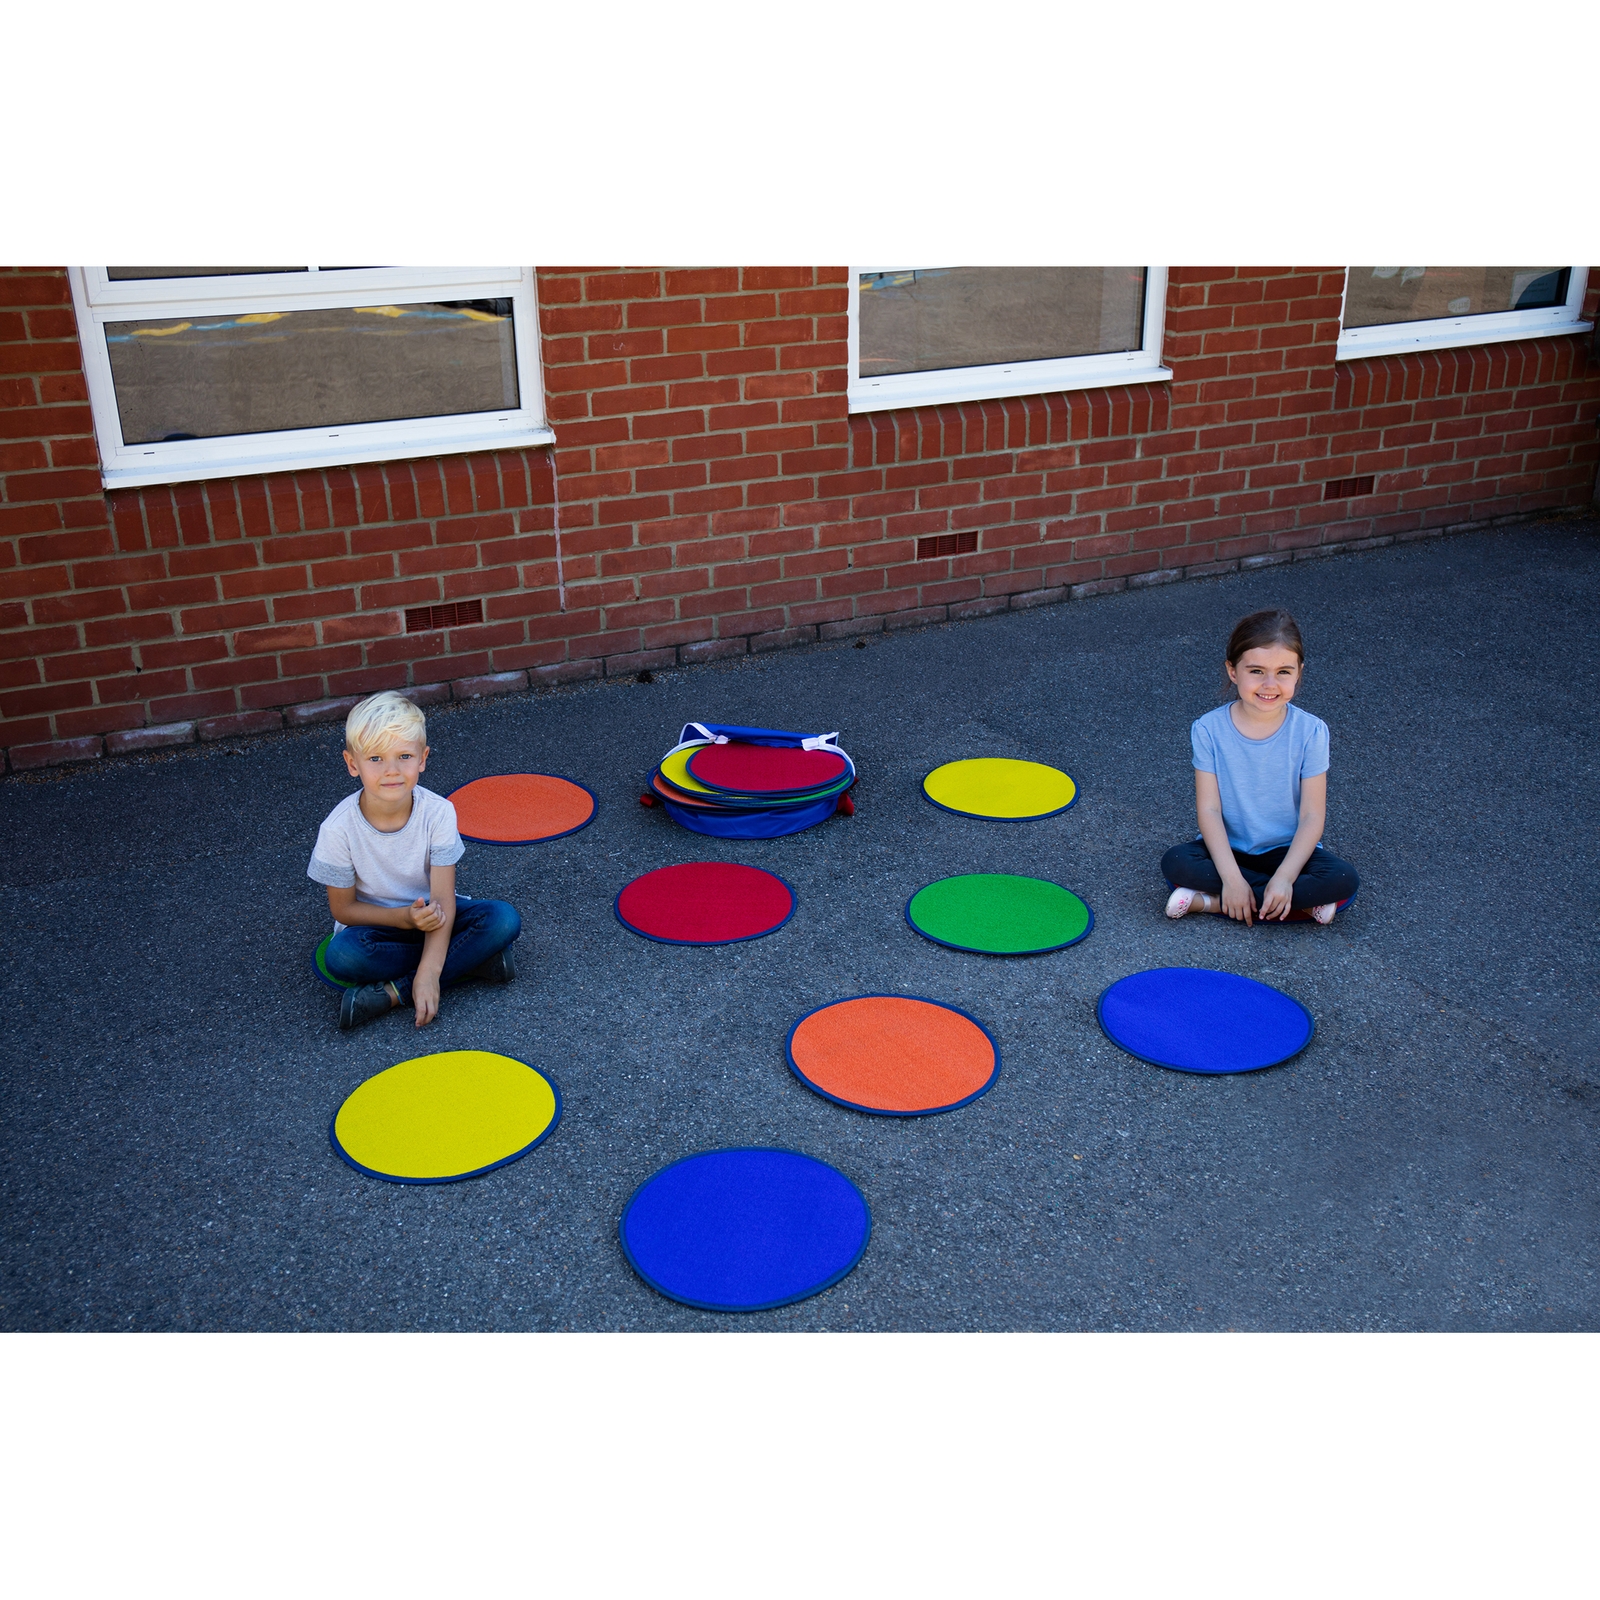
column 999, row 914
column 319, row 965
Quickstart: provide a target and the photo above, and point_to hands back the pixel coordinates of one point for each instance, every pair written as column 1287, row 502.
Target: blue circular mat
column 744, row 1229
column 1195, row 1020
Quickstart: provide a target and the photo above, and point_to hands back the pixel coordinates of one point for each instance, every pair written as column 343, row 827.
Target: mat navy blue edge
column 544, row 838
column 772, row 1305
column 875, row 1111
column 743, row 938
column 1003, row 955
column 460, row 1177
column 1200, row 1072
column 978, row 816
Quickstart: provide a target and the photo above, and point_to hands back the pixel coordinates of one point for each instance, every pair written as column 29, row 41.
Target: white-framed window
column 923, row 336
column 1389, row 310
column 210, row 372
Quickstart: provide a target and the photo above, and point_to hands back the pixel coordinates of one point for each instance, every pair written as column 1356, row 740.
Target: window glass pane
column 1377, row 295
column 939, row 317
column 209, row 375
column 126, row 274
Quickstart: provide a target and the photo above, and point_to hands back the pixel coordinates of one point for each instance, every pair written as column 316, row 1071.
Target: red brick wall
column 52, row 513
column 696, row 414
column 1471, row 434
column 715, row 497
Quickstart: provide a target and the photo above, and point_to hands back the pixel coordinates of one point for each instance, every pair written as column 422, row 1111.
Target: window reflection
column 205, row 376
column 136, row 274
column 929, row 319
column 1375, row 295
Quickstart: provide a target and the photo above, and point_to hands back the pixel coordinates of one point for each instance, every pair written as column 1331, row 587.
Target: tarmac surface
column 1431, row 1161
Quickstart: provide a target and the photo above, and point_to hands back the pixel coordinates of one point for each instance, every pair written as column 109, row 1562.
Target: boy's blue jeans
column 390, row 955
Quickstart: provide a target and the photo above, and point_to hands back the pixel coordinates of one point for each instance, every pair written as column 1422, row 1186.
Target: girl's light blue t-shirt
column 1259, row 779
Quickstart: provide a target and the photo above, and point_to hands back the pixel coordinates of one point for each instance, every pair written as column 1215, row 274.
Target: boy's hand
column 426, row 915
column 1238, row 900
column 1278, row 900
column 425, row 996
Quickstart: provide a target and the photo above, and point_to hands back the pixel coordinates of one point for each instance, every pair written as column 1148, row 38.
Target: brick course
column 709, row 494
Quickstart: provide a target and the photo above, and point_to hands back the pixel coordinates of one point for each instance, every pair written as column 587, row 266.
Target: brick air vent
column 1346, row 488
column 946, row 544
column 419, row 619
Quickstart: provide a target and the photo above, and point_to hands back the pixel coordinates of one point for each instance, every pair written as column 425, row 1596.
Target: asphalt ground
column 1429, row 1162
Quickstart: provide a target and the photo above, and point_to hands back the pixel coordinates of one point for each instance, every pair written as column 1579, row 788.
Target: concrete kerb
column 709, row 652
column 135, row 740
column 56, row 753
column 314, row 711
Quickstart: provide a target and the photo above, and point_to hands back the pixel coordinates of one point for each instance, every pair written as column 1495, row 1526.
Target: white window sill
column 952, row 386
column 1447, row 334
column 221, row 458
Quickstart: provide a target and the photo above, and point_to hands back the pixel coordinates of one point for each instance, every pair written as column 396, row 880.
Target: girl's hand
column 425, row 996
column 1238, row 900
column 1278, row 899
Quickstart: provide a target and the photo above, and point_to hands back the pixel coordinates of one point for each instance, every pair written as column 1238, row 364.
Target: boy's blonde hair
column 382, row 720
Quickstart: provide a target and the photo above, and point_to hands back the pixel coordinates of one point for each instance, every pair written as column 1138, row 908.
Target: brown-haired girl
column 1261, row 792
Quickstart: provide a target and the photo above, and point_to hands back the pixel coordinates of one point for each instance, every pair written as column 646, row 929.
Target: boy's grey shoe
column 499, row 968
column 362, row 1005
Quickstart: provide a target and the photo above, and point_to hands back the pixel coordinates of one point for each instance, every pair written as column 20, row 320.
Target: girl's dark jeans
column 1324, row 879
column 364, row 955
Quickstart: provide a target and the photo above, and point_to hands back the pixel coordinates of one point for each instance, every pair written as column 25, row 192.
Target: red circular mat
column 521, row 808
column 894, row 1054
column 763, row 769
column 705, row 902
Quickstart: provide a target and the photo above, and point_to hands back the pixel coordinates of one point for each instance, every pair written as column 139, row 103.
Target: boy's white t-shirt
column 386, row 869
column 1258, row 780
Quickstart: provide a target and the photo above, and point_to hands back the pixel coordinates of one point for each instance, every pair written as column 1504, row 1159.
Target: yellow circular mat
column 438, row 1118
column 997, row 787
column 675, row 769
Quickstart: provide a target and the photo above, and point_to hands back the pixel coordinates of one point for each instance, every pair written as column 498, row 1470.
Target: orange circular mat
column 521, row 808
column 893, row 1054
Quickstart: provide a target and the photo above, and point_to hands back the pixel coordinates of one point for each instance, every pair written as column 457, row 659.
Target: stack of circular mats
column 751, row 783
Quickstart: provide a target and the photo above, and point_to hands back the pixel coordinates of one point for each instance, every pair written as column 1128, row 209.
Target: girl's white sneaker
column 1179, row 901
column 1324, row 914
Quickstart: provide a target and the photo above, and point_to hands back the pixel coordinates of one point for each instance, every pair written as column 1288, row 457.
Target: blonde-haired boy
column 387, row 857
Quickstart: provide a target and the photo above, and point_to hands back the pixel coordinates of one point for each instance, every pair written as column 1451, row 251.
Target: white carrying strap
column 818, row 741
column 810, row 744
column 688, row 744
